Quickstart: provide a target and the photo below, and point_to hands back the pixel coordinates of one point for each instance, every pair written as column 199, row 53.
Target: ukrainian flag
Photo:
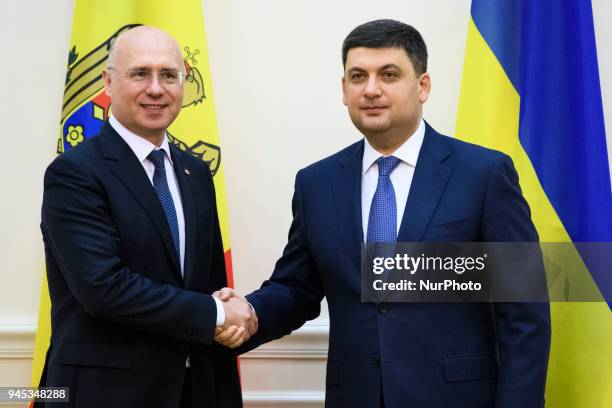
column 531, row 89
column 96, row 23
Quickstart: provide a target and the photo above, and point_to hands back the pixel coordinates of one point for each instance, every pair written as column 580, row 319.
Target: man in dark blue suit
column 133, row 251
column 408, row 183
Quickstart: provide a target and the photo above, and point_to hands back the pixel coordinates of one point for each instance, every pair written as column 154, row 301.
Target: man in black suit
column 133, row 251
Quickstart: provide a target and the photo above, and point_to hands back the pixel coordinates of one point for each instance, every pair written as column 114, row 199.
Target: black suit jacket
column 123, row 318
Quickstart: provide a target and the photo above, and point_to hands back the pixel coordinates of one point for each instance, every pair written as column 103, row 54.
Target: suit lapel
column 122, row 162
column 431, row 175
column 346, row 184
column 183, row 175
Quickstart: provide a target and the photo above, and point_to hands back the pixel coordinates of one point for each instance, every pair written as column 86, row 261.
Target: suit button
column 382, row 309
column 376, row 362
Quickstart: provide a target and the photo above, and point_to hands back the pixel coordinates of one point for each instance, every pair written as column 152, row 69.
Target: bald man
column 133, row 251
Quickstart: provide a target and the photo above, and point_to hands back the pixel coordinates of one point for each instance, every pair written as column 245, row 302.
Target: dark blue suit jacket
column 423, row 354
column 123, row 318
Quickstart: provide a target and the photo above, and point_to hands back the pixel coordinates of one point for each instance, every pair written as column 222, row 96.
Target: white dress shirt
column 401, row 176
column 142, row 148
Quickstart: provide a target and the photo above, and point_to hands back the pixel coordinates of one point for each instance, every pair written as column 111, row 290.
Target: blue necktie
column 160, row 183
column 382, row 222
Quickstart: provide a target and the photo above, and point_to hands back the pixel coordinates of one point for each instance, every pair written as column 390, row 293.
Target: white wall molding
column 283, row 399
column 17, row 341
column 308, row 342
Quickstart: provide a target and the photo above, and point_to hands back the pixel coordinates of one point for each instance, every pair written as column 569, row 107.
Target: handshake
column 240, row 319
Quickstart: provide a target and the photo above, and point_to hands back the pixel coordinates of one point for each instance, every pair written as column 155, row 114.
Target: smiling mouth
column 373, row 109
column 153, row 106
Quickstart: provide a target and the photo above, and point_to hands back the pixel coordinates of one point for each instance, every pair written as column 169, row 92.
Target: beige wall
column 276, row 74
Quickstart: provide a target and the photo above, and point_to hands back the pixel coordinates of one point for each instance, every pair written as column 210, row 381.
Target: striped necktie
column 160, row 183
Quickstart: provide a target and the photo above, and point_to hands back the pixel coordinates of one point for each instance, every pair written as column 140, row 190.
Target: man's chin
column 373, row 128
column 156, row 124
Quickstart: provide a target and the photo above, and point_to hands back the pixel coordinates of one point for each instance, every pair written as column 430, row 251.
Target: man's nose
column 372, row 89
column 154, row 87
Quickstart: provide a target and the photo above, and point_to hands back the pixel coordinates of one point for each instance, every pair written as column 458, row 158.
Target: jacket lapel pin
column 187, row 172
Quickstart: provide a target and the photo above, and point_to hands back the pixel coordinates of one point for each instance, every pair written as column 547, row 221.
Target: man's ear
column 343, row 91
column 424, row 87
column 107, row 82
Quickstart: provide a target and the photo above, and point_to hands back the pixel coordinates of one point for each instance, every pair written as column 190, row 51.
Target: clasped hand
column 240, row 319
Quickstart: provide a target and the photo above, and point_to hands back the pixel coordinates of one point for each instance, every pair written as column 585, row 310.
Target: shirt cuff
column 220, row 312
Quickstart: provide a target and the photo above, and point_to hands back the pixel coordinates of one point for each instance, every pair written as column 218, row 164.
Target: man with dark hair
column 404, row 182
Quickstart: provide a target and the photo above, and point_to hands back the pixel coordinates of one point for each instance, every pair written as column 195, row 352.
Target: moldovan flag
column 531, row 89
column 96, row 23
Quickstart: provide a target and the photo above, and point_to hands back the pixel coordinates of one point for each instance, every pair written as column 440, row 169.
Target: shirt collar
column 139, row 145
column 408, row 152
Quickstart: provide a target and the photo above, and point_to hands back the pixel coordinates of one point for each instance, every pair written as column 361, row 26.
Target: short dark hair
column 388, row 33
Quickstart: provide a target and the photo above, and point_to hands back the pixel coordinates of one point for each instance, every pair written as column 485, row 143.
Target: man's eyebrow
column 390, row 66
column 384, row 67
column 139, row 68
column 356, row 69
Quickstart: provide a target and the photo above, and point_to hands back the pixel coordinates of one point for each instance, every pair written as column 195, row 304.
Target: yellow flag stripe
column 43, row 333
column 488, row 114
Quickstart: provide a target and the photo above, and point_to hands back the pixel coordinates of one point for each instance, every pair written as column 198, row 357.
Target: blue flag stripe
column 499, row 23
column 561, row 119
column 547, row 49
